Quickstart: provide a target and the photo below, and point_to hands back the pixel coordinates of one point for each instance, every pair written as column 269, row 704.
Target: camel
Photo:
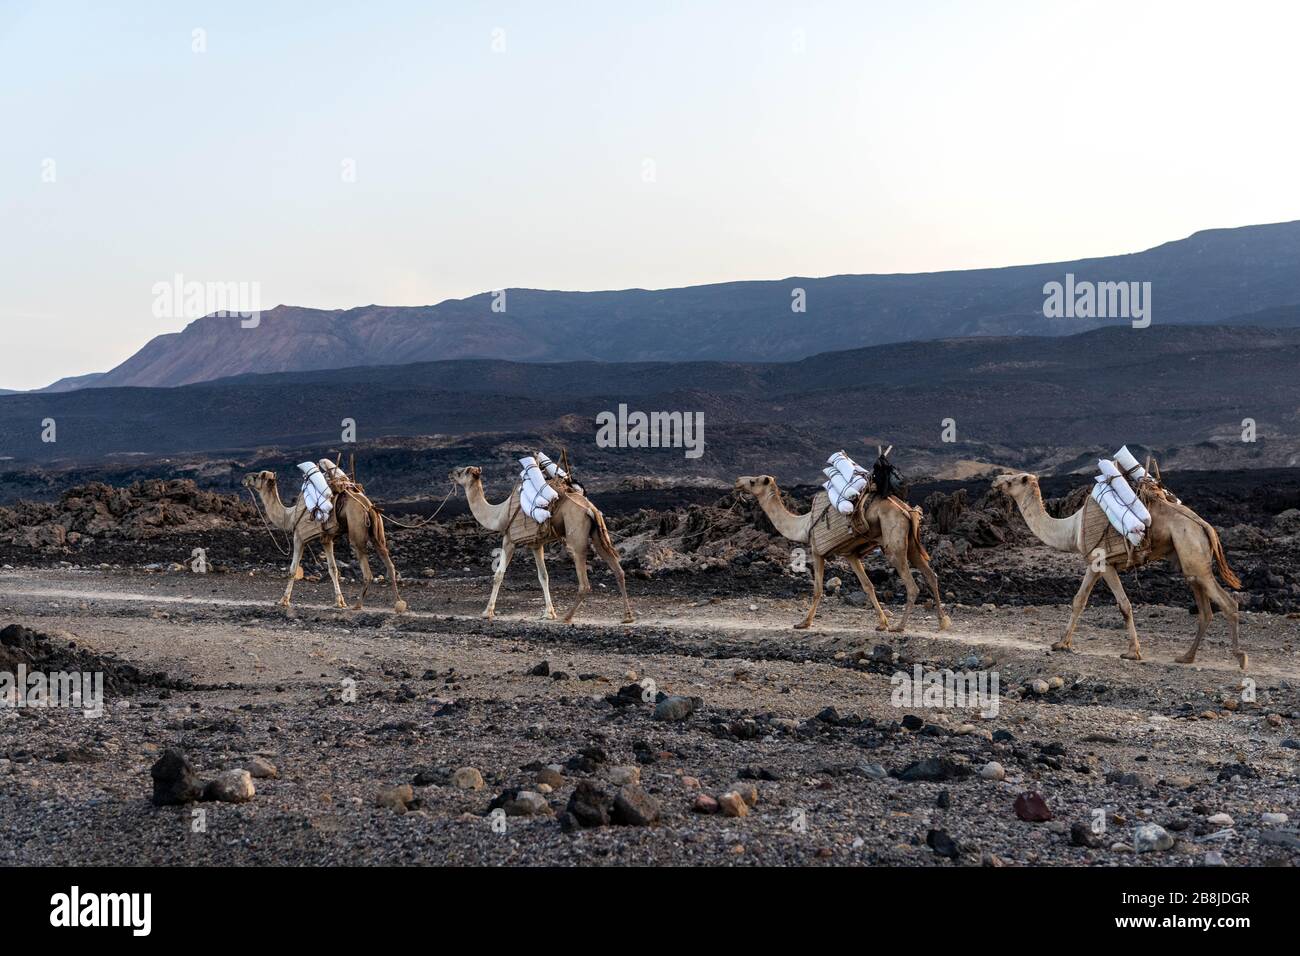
column 573, row 517
column 352, row 515
column 893, row 525
column 1176, row 533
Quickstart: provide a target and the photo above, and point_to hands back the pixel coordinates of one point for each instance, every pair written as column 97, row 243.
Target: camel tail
column 603, row 531
column 914, row 514
column 1226, row 573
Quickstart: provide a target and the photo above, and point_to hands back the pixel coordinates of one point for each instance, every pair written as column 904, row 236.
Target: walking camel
column 353, row 514
column 891, row 524
column 573, row 518
column 1176, row 533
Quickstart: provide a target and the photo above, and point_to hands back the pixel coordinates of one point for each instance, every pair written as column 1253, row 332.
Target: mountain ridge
column 1215, row 275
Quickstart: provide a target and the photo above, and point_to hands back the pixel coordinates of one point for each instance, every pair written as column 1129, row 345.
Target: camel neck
column 791, row 526
column 490, row 516
column 276, row 512
column 1058, row 533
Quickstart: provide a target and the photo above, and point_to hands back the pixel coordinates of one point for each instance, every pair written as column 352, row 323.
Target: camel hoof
column 1185, row 659
column 803, row 625
column 1131, row 656
column 945, row 622
column 1062, row 646
column 629, row 619
column 399, row 607
column 896, row 628
column 284, row 602
column 487, row 615
column 1242, row 659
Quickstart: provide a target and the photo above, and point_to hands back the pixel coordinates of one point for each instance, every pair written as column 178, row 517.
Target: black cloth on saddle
column 887, row 480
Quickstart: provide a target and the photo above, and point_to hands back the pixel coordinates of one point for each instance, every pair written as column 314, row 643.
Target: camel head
column 466, row 476
column 258, row 480
column 1016, row 486
column 756, row 485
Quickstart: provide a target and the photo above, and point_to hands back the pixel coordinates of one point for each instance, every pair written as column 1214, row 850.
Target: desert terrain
column 707, row 732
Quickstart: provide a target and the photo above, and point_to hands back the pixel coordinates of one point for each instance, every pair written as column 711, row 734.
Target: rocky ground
column 708, row 732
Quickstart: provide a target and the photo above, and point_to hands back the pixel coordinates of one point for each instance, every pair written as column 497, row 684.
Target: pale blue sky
column 787, row 138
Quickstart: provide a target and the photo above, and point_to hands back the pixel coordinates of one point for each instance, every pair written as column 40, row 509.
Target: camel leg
column 898, row 557
column 294, row 562
column 1111, row 576
column 503, row 562
column 1090, row 579
column 578, row 546
column 539, row 558
column 367, row 576
column 932, row 580
column 819, row 571
column 328, row 547
column 399, row 606
column 855, row 562
column 611, row 558
column 1204, row 614
column 1228, row 605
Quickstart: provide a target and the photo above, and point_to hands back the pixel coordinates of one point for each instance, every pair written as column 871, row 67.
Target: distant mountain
column 1036, row 402
column 1215, row 276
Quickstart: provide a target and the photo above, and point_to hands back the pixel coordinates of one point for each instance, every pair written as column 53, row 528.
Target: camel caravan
column 1129, row 520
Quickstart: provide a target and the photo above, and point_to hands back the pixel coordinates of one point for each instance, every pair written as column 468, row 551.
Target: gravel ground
column 804, row 724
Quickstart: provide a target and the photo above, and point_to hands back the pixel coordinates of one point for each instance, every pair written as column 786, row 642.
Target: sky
column 403, row 153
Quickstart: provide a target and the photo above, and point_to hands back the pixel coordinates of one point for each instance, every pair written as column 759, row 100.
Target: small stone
column 1274, row 720
column 1039, row 686
column 942, row 844
column 526, row 803
column 230, row 786
column 1219, row 820
column 992, row 771
column 174, row 781
column 691, row 783
column 262, row 769
column 467, row 778
column 675, row 708
column 541, row 670
column 589, row 805
column 550, row 777
column 1152, row 838
column 1213, row 858
column 733, row 805
column 1082, row 835
column 1032, row 808
column 704, row 804
column 748, row 792
column 622, row 776
column 634, row 807
column 395, row 798
column 1273, row 819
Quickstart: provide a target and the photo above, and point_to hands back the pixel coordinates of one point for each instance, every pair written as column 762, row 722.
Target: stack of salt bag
column 535, row 495
column 845, row 480
column 316, row 494
column 1117, row 498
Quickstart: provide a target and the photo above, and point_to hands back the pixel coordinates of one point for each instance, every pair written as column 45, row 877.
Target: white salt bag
column 845, row 465
column 316, row 494
column 1123, row 490
column 1129, row 465
column 551, row 468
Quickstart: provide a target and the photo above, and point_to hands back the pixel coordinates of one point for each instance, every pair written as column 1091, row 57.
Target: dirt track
column 439, row 689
